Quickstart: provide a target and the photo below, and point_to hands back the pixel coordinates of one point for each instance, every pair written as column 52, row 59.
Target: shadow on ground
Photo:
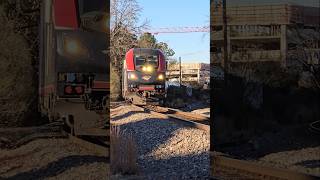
column 291, row 138
column 309, row 163
column 58, row 167
column 125, row 115
column 180, row 167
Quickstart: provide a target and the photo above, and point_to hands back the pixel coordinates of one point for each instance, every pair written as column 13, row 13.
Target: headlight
column 144, row 68
column 74, row 47
column 147, row 68
column 161, row 77
column 132, row 76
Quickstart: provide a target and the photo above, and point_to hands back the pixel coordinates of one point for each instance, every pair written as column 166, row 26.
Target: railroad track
column 226, row 167
column 94, row 145
column 94, row 140
column 180, row 117
column 154, row 129
column 315, row 127
column 117, row 104
column 16, row 137
column 229, row 168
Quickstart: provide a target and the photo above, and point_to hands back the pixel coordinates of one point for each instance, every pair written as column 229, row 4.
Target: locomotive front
column 81, row 64
column 144, row 76
column 73, row 65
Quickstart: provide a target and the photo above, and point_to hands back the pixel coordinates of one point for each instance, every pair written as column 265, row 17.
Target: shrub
column 17, row 89
column 123, row 152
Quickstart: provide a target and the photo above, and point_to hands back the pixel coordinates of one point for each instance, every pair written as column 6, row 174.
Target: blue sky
column 192, row 47
column 298, row 2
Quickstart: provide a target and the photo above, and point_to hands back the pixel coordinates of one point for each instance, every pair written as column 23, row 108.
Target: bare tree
column 302, row 55
column 124, row 27
column 124, row 22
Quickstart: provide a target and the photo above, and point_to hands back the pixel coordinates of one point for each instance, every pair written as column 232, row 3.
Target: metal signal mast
column 176, row 30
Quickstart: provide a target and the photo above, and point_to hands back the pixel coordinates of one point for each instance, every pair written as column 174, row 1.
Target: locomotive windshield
column 88, row 6
column 93, row 15
column 143, row 60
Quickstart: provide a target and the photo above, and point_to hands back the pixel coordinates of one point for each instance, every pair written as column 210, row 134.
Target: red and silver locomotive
column 144, row 76
column 74, row 69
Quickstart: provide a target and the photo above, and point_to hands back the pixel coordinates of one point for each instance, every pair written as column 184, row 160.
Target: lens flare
column 132, row 76
column 72, row 46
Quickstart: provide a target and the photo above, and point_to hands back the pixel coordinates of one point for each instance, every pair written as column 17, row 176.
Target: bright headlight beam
column 72, row 46
column 144, row 68
column 149, row 69
column 160, row 77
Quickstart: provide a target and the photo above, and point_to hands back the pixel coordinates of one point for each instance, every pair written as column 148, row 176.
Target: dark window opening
column 86, row 6
column 146, row 60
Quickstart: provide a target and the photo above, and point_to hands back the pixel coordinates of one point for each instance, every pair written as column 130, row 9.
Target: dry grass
column 123, row 154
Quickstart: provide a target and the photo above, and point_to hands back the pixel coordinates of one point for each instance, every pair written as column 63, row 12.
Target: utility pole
column 225, row 64
column 180, row 77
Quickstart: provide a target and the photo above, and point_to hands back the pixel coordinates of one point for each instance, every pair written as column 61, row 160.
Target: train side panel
column 47, row 64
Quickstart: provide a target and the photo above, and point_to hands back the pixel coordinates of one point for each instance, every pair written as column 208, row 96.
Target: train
column 73, row 62
column 144, row 76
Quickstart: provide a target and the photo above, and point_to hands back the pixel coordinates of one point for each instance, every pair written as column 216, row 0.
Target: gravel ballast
column 306, row 160
column 165, row 149
column 52, row 159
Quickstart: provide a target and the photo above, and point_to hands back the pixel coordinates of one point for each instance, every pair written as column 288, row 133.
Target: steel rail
column 230, row 167
column 315, row 127
column 92, row 147
column 179, row 117
column 244, row 169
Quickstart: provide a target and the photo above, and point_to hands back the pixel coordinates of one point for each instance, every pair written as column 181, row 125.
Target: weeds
column 123, row 152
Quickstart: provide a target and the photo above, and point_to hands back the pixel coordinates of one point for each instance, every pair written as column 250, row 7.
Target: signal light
column 68, row 89
column 79, row 89
column 74, row 90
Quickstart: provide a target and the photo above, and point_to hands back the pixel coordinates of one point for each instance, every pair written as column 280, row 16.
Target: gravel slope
column 51, row 159
column 306, row 160
column 166, row 149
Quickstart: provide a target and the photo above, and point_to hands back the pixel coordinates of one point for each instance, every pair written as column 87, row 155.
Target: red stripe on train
column 146, row 88
column 101, row 85
column 65, row 14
